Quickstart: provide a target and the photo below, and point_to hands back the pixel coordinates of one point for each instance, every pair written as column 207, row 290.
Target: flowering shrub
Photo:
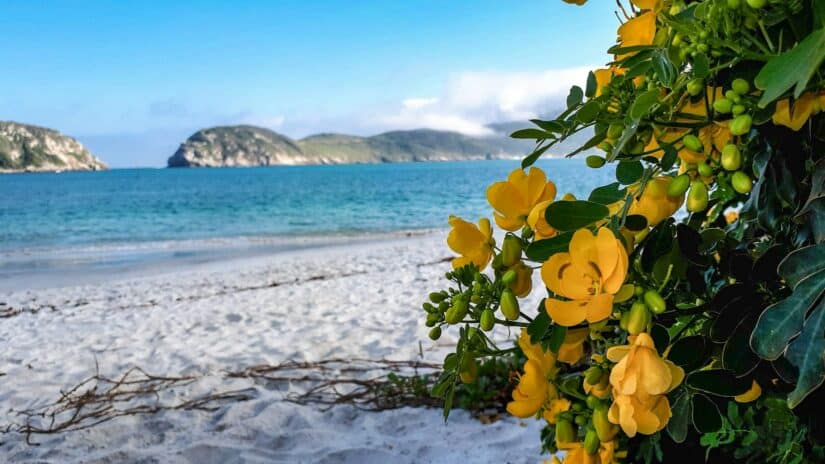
column 666, row 334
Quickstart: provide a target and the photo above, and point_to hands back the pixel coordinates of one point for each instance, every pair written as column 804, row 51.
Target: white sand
column 358, row 300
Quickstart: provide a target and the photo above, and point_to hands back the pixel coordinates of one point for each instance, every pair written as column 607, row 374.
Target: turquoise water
column 100, row 214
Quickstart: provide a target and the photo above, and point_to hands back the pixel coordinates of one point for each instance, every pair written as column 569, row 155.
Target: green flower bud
column 704, row 169
column 438, row 297
column 757, row 4
column 733, row 96
column 655, row 302
column 734, row 4
column 695, row 87
column 469, row 370
column 738, row 109
column 565, row 433
column 692, row 142
column 435, row 333
column 487, row 320
column 432, row 320
column 604, row 428
column 591, row 442
column 697, row 199
column 580, row 420
column 509, row 277
column 740, row 86
column 677, row 187
column 723, row 106
column 510, row 251
column 639, row 318
column 457, row 311
column 593, row 375
column 592, row 402
column 741, row 124
column 509, row 305
column 614, row 131
column 731, row 157
column 624, row 320
column 741, row 182
column 594, row 161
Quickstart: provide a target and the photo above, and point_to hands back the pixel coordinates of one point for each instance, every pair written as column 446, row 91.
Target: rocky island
column 255, row 146
column 27, row 148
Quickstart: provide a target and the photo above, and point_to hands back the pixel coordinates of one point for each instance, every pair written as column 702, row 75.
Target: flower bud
column 655, row 302
column 723, row 106
column 623, row 320
column 487, row 320
column 695, row 87
column 736, row 110
column 741, row 182
column 693, row 143
column 435, row 333
column 704, row 169
column 614, row 131
column 741, row 124
column 593, row 375
column 757, row 4
column 591, row 442
column 510, row 250
column 678, row 186
column 604, row 428
column 509, row 277
column 639, row 318
column 457, row 311
column 697, row 199
column 594, row 161
column 438, row 297
column 565, row 433
column 740, row 86
column 580, row 420
column 469, row 370
column 593, row 402
column 731, row 157
column 509, row 305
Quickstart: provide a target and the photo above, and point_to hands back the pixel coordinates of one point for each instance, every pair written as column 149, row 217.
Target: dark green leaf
column 706, row 416
column 677, row 427
column 657, row 244
column 669, row 156
column 575, row 96
column 784, row 320
column 664, row 68
column 537, row 134
column 538, row 328
column 701, row 66
column 628, row 172
column 590, row 90
column 802, row 263
column 720, row 382
column 532, row 157
column 542, row 250
column 608, row 194
column 689, row 353
column 737, row 355
column 629, row 132
column 660, row 337
column 557, row 335
column 588, row 112
column 635, row 222
column 807, row 353
column 572, row 215
column 550, row 126
column 644, row 103
column 792, row 68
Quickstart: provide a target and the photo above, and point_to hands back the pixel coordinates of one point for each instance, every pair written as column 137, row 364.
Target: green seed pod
column 604, row 428
column 437, row 297
column 639, row 318
column 741, row 124
column 695, row 87
column 487, row 320
column 697, row 199
column 731, row 157
column 723, row 106
column 591, row 442
column 593, row 375
column 678, row 186
column 614, row 131
column 655, row 302
column 510, row 251
column 565, row 433
column 704, row 169
column 509, row 277
column 741, row 182
column 594, row 161
column 435, row 333
column 509, row 305
column 692, row 142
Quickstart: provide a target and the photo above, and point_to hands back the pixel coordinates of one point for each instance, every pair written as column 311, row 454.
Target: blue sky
column 133, row 79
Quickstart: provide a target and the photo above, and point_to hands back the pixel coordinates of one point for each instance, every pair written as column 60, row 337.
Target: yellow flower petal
column 751, row 395
column 566, row 313
column 639, row 30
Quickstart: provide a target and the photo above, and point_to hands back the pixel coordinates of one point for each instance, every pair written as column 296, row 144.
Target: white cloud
column 470, row 100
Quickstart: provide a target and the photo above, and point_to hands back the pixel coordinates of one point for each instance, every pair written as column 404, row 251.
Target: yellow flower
column 524, row 279
column 576, row 454
column 554, row 408
column 640, row 413
column 751, row 395
column 604, row 76
column 575, row 2
column 473, row 243
column 537, row 221
column 600, row 390
column 647, row 4
column 533, row 351
column 572, row 349
column 638, row 31
column 589, row 275
column 533, row 390
column 655, row 205
column 731, row 216
column 640, row 369
column 796, row 117
column 514, row 198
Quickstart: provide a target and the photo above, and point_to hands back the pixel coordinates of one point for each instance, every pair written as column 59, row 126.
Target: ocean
column 113, row 221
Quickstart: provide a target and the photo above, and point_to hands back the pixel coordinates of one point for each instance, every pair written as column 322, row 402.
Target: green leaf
column 590, row 90
column 706, row 415
column 550, row 126
column 689, row 353
column 802, row 263
column 669, row 156
column 531, row 134
column 720, row 382
column 542, row 250
column 784, row 320
column 628, row 172
column 588, row 112
column 530, row 159
column 737, row 355
column 807, row 353
column 644, row 103
column 575, row 96
column 701, row 66
column 608, row 194
column 629, row 131
column 635, row 222
column 664, row 68
column 572, row 215
column 792, row 68
column 677, row 427
column 557, row 335
column 538, row 328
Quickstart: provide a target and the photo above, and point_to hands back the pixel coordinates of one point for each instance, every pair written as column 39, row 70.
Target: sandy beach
column 348, row 300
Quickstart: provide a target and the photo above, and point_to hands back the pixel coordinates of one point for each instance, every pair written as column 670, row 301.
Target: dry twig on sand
column 99, row 399
column 372, row 385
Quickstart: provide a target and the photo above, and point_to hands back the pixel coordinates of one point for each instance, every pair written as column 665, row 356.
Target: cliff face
column 254, row 146
column 26, row 148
